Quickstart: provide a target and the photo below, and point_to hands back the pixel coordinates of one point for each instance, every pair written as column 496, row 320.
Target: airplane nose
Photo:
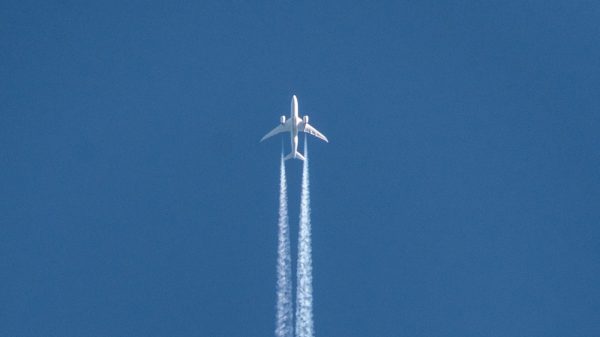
column 294, row 104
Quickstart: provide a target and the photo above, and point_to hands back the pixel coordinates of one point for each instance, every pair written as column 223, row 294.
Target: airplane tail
column 297, row 156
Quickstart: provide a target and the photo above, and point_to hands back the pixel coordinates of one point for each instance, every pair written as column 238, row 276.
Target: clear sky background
column 459, row 196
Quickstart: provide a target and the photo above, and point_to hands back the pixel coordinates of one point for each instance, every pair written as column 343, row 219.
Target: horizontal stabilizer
column 297, row 156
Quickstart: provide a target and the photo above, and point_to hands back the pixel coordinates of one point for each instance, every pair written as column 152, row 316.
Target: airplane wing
column 305, row 127
column 278, row 129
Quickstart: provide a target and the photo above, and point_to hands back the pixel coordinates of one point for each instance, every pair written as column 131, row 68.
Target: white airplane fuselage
column 295, row 121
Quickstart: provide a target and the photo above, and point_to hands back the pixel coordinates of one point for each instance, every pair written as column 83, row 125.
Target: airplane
column 294, row 125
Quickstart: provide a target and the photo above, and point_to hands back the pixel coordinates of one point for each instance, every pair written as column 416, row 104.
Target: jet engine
column 305, row 119
column 282, row 119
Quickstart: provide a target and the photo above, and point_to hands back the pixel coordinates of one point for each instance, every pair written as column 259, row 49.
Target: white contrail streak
column 304, row 296
column 285, row 320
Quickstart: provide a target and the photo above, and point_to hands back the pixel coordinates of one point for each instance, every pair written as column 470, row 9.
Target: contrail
column 285, row 319
column 304, row 296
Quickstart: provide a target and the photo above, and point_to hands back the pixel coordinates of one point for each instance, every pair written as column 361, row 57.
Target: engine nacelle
column 282, row 119
column 305, row 119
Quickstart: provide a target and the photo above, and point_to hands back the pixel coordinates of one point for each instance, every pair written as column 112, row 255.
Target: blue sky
column 459, row 195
